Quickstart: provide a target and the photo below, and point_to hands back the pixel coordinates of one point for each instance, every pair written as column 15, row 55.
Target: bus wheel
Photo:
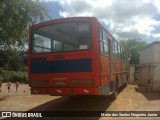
column 114, row 95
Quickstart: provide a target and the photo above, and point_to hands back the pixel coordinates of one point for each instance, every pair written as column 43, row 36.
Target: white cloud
column 48, row 0
column 146, row 26
column 125, row 18
column 64, row 13
column 99, row 3
column 156, row 35
column 157, row 4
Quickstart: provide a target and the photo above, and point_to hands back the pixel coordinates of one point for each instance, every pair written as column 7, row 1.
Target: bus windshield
column 61, row 37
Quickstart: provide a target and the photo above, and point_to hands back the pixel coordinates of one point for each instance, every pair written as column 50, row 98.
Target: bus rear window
column 41, row 44
column 62, row 37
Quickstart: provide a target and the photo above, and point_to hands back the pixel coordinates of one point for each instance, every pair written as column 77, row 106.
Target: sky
column 124, row 19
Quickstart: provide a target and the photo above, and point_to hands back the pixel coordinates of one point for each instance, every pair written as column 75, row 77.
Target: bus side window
column 100, row 34
column 105, row 42
column 124, row 56
column 115, row 46
column 113, row 49
column 101, row 40
column 119, row 52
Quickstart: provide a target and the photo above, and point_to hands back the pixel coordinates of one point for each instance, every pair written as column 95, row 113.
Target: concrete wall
column 156, row 78
column 150, row 54
column 147, row 55
column 149, row 70
column 157, row 53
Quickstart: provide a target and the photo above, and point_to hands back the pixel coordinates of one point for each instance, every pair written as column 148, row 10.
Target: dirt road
column 128, row 100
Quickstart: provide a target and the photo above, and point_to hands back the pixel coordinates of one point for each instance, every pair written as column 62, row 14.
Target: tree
column 133, row 46
column 16, row 16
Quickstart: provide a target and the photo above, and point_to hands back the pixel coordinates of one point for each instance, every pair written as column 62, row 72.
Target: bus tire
column 114, row 95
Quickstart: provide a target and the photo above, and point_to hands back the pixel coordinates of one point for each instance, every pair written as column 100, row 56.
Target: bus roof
column 69, row 19
column 63, row 20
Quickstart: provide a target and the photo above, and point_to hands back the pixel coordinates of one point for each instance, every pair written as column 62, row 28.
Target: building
column 149, row 71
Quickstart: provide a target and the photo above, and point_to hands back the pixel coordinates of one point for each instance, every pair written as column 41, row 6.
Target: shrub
column 21, row 79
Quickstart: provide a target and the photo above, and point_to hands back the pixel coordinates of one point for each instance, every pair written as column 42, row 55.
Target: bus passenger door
column 113, row 64
column 111, row 61
column 110, row 57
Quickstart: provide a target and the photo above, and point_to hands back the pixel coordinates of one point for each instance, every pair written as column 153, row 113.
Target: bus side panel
column 104, row 65
column 96, row 53
column 124, row 73
column 105, row 76
column 105, row 69
column 118, row 72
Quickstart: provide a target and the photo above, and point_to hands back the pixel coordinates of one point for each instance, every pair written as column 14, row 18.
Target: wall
column 149, row 69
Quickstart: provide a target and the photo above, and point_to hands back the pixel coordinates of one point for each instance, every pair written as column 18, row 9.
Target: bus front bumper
column 65, row 91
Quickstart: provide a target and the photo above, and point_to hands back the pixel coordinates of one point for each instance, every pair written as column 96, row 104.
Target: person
column 9, row 86
column 17, row 85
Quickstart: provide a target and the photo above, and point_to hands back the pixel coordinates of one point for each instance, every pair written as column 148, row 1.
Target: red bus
column 75, row 56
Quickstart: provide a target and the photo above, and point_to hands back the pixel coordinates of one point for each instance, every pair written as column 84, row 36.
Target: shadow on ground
column 150, row 96
column 77, row 103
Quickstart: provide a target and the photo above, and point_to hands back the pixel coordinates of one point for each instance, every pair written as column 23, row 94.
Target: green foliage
column 133, row 46
column 15, row 60
column 3, row 58
column 14, row 76
column 17, row 78
column 16, row 16
column 1, row 10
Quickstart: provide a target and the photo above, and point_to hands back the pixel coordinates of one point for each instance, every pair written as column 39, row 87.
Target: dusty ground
column 128, row 100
